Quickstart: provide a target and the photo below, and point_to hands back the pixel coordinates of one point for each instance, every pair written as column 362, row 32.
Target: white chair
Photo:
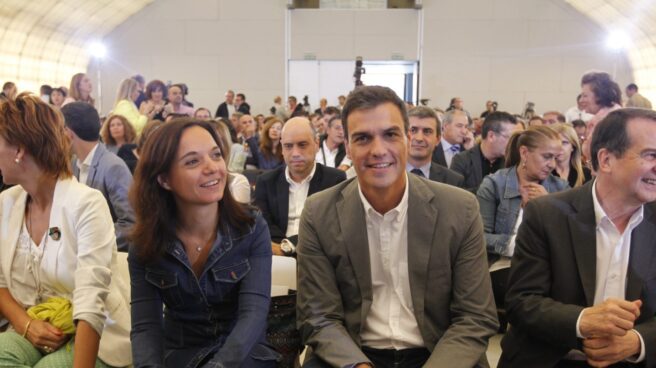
column 283, row 275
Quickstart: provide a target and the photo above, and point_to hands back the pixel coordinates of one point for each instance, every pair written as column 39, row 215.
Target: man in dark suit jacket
column 487, row 157
column 582, row 283
column 98, row 168
column 392, row 270
column 423, row 134
column 280, row 193
column 226, row 108
column 455, row 137
column 241, row 105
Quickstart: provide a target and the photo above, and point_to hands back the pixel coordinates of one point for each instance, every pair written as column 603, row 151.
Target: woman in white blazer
column 56, row 240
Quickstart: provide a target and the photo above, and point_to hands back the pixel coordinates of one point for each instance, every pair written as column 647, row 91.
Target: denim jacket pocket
column 264, row 352
column 167, row 283
column 233, row 273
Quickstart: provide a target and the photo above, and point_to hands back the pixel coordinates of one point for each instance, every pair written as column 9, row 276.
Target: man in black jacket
column 226, row 108
column 281, row 193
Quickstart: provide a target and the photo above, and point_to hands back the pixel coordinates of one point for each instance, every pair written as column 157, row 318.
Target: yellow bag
column 57, row 311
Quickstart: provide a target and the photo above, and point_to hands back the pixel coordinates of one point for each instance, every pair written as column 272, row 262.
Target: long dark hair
column 266, row 144
column 154, row 206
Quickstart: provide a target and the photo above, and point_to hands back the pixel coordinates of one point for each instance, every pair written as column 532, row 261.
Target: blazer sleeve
column 472, row 310
column 267, row 205
column 488, row 200
column 118, row 180
column 95, row 245
column 528, row 303
column 320, row 312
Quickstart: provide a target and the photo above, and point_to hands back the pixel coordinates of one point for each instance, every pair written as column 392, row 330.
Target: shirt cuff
column 641, row 356
column 578, row 330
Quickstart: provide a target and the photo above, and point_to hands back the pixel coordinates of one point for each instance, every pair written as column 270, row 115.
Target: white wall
column 512, row 51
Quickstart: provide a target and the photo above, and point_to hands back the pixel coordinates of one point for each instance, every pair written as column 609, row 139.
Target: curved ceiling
column 46, row 41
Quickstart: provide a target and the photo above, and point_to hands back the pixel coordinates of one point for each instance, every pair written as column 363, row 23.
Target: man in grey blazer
column 98, row 168
column 423, row 135
column 582, row 283
column 392, row 270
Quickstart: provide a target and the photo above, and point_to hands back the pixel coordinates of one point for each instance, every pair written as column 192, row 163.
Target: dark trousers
column 582, row 364
column 389, row 358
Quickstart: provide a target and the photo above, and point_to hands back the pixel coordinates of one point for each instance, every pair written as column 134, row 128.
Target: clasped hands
column 45, row 336
column 608, row 333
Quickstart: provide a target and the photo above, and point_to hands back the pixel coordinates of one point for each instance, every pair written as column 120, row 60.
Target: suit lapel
column 436, row 174
column 422, row 222
column 477, row 163
column 438, row 155
column 354, row 233
column 642, row 253
column 12, row 228
column 315, row 183
column 282, row 196
column 584, row 240
column 93, row 168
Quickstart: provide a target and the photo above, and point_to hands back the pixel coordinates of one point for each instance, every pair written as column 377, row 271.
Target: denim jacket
column 500, row 201
column 222, row 313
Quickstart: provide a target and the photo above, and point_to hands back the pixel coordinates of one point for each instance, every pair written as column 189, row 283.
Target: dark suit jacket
column 449, row 282
column 111, row 176
column 272, row 195
column 341, row 151
column 244, row 108
column 222, row 111
column 438, row 155
column 441, row 174
column 470, row 165
column 553, row 273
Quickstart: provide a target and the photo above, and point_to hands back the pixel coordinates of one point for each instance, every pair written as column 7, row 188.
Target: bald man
column 281, row 193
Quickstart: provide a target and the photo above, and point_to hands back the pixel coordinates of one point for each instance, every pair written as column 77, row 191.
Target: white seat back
column 283, row 275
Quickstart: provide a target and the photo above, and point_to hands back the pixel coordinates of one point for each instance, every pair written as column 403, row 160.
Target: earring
column 17, row 160
column 523, row 164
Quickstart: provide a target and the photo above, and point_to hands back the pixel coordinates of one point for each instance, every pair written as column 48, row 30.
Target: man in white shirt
column 577, row 112
column 456, row 137
column 226, row 108
column 281, row 193
column 392, row 270
column 582, row 286
column 98, row 168
column 332, row 151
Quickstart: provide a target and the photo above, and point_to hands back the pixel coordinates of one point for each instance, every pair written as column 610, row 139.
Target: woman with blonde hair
column 117, row 131
column 59, row 249
column 80, row 90
column 569, row 164
column 128, row 92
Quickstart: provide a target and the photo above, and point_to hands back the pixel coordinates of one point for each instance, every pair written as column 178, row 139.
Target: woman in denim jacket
column 530, row 159
column 198, row 253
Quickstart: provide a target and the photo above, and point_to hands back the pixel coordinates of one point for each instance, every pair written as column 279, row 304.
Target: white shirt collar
column 87, row 160
column 600, row 214
column 306, row 180
column 400, row 209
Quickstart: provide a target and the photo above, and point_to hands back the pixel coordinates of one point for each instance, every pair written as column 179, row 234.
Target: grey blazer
column 499, row 199
column 449, row 282
column 111, row 176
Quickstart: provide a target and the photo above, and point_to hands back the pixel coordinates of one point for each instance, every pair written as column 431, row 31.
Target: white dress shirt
column 298, row 193
column 231, row 109
column 85, row 165
column 613, row 251
column 448, row 153
column 391, row 322
column 327, row 157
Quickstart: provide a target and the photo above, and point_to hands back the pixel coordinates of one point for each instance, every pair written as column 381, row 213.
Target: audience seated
column 280, row 194
column 155, row 101
column 117, row 131
column 268, row 153
column 332, row 152
column 202, row 113
column 553, row 117
column 98, row 168
column 486, row 157
column 455, row 137
column 582, row 286
column 530, row 158
column 392, row 269
column 423, row 135
column 569, row 164
column 58, row 249
column 80, row 90
column 238, row 184
column 200, row 262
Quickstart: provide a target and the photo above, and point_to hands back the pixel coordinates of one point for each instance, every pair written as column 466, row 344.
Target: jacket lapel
column 354, row 233
column 93, row 169
column 282, row 196
column 583, row 233
column 15, row 212
column 422, row 222
column 477, row 163
column 641, row 260
column 315, row 183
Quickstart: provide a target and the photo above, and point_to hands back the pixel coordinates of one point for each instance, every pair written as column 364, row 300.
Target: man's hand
column 275, row 248
column 612, row 317
column 469, row 140
column 604, row 351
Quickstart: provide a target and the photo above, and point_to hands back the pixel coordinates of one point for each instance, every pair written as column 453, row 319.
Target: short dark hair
column 578, row 122
column 242, row 96
column 82, row 119
column 331, row 110
column 493, row 121
column 606, row 91
column 369, row 97
column 423, row 112
column 155, row 85
column 611, row 132
column 330, row 122
column 632, row 86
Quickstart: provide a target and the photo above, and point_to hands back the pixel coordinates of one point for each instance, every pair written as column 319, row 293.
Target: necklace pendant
column 199, row 248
